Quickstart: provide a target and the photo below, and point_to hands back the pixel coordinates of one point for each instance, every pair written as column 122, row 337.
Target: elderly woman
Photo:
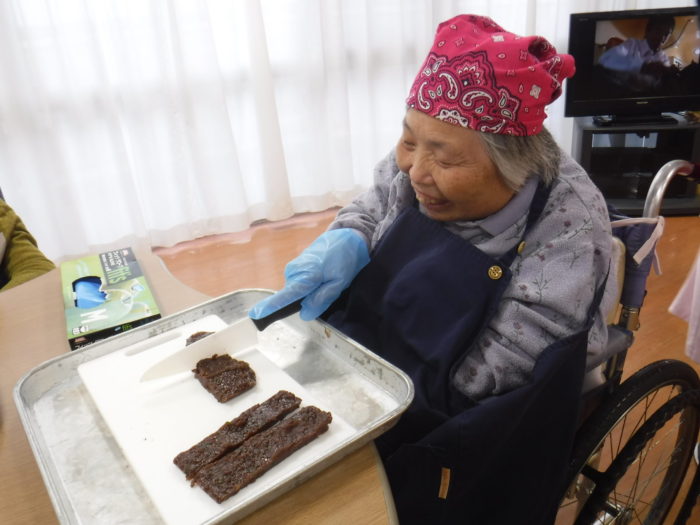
column 478, row 263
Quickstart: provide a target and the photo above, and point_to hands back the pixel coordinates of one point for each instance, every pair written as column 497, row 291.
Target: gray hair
column 518, row 158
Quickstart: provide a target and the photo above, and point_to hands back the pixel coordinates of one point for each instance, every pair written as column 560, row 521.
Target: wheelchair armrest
column 619, row 340
column 618, row 261
column 599, row 381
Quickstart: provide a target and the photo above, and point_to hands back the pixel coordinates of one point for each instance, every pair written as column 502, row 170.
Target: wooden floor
column 256, row 258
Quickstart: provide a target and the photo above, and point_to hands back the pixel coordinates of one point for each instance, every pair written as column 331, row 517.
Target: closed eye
column 445, row 164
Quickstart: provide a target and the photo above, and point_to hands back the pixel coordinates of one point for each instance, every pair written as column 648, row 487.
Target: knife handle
column 283, row 312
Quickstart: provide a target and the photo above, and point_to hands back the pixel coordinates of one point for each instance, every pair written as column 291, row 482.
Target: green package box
column 105, row 294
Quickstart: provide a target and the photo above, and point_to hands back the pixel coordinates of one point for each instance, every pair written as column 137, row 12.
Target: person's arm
column 322, row 271
column 565, row 258
column 22, row 260
column 623, row 57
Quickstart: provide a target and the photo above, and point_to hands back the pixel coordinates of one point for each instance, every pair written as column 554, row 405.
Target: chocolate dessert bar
column 224, row 377
column 229, row 474
column 256, row 419
column 196, row 337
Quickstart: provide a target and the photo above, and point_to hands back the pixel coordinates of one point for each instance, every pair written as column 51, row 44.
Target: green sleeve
column 22, row 259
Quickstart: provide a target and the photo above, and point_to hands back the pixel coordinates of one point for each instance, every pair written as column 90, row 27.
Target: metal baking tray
column 86, row 473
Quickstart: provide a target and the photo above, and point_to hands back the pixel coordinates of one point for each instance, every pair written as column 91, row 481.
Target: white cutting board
column 155, row 420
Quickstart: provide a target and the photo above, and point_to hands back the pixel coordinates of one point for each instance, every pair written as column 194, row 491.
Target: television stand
column 621, row 120
column 623, row 158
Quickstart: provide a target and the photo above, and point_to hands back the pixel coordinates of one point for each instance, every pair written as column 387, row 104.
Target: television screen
column 635, row 64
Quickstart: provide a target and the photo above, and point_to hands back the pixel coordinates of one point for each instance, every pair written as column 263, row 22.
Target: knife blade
column 234, row 338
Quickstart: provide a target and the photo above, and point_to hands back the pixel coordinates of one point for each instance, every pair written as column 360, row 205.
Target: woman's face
column 452, row 175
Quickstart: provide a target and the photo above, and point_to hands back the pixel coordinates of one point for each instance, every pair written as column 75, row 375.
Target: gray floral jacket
column 566, row 257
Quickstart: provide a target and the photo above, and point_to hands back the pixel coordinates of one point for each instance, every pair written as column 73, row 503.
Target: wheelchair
column 632, row 458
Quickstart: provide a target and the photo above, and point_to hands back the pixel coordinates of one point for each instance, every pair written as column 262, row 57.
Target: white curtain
column 167, row 120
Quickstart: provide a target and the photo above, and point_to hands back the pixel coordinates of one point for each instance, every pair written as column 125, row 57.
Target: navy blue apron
column 420, row 303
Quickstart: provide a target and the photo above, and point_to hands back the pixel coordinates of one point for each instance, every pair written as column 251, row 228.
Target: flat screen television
column 634, row 66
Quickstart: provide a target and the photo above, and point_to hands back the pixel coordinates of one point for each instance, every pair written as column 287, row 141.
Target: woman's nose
column 419, row 168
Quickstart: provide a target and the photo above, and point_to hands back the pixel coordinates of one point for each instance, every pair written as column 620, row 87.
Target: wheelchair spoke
column 632, row 503
column 667, row 460
column 639, row 509
column 622, row 434
column 635, row 454
column 637, row 416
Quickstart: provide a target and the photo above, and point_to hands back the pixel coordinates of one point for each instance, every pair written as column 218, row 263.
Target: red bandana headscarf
column 479, row 76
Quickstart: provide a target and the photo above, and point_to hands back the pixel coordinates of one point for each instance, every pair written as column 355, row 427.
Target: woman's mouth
column 428, row 201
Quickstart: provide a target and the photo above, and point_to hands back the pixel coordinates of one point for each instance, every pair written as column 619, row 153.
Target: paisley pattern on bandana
column 463, row 91
column 479, row 76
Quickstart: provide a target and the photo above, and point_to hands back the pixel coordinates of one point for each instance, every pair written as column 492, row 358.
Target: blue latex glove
column 320, row 274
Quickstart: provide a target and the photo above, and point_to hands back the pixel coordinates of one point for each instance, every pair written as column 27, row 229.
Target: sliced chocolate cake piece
column 256, row 419
column 229, row 474
column 196, row 337
column 224, row 377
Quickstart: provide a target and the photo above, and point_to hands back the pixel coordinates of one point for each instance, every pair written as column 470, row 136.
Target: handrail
column 652, row 204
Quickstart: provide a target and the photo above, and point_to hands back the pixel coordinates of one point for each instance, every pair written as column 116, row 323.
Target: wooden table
column 32, row 331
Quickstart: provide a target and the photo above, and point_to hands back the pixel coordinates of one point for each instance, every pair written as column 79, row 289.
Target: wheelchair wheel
column 631, row 456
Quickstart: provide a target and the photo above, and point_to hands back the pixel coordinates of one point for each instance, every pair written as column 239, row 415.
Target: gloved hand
column 320, row 274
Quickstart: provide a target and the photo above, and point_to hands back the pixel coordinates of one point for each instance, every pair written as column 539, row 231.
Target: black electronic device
column 624, row 75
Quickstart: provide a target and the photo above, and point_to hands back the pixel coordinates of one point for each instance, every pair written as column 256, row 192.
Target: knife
column 234, row 338
column 238, row 336
column 283, row 312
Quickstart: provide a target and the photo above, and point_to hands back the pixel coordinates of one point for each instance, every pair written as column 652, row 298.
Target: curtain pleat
column 160, row 121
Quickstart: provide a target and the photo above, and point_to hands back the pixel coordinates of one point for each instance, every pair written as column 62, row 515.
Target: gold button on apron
column 495, row 272
column 521, row 247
